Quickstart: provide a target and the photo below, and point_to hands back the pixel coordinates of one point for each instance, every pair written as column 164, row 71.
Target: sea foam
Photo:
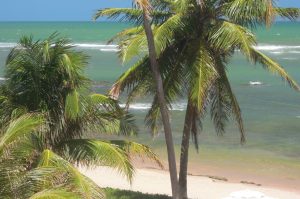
column 274, row 49
column 266, row 47
column 7, row 45
column 102, row 47
column 147, row 106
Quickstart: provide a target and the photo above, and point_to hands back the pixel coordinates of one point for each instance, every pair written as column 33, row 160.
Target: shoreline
column 235, row 167
column 156, row 181
column 249, row 174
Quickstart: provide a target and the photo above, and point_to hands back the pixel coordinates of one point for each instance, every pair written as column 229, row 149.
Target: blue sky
column 68, row 10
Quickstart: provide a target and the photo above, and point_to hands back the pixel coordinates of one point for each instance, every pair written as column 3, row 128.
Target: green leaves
column 203, row 75
column 289, row 13
column 122, row 14
column 74, row 179
column 194, row 44
column 19, row 128
column 41, row 73
column 55, row 194
column 227, row 36
column 249, row 13
column 37, row 150
column 72, row 107
column 136, row 149
column 165, row 33
column 90, row 152
column 273, row 67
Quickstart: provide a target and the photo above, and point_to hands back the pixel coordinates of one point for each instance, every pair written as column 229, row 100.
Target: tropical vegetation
column 46, row 110
column 144, row 7
column 123, row 194
column 194, row 41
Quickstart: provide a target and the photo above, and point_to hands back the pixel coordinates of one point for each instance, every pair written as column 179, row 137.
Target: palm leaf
column 227, row 36
column 19, row 128
column 234, row 106
column 96, row 152
column 72, row 107
column 136, row 149
column 274, row 67
column 82, row 184
column 55, row 194
column 289, row 13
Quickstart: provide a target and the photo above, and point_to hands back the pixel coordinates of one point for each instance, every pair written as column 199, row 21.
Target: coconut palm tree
column 29, row 171
column 145, row 7
column 47, row 77
column 194, row 41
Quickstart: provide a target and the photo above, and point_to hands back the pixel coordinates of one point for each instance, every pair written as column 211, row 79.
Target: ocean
column 271, row 111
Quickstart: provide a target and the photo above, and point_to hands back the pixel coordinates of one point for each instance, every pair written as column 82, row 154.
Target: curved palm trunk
column 162, row 104
column 185, row 152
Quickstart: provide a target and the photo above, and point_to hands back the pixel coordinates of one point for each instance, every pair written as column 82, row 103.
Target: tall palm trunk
column 162, row 104
column 185, row 152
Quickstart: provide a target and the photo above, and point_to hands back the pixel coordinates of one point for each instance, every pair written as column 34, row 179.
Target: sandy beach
column 157, row 182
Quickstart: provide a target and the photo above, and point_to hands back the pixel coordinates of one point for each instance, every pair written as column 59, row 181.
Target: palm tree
column 145, row 7
column 194, row 42
column 48, row 176
column 47, row 77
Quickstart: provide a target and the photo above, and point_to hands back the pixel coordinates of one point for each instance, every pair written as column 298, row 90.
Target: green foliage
column 122, row 194
column 194, row 43
column 46, row 109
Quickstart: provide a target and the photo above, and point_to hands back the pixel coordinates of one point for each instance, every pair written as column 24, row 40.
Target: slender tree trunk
column 185, row 152
column 162, row 105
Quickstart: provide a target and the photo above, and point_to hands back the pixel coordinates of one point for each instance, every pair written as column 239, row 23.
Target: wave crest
column 147, row 106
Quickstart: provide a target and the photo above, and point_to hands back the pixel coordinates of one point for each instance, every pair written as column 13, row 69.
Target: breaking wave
column 274, row 49
column 147, row 106
column 102, row 47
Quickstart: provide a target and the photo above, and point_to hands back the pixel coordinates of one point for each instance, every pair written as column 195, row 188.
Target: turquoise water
column 271, row 111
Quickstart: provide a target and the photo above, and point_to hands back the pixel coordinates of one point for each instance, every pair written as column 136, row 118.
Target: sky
column 69, row 10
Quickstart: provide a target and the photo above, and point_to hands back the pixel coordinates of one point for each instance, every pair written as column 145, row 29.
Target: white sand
column 157, row 182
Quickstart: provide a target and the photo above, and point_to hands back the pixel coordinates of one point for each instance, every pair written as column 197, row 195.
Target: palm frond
column 164, row 34
column 133, row 47
column 72, row 107
column 202, row 77
column 120, row 14
column 82, row 185
column 134, row 149
column 130, row 15
column 134, row 74
column 288, row 13
column 19, row 128
column 250, row 13
column 55, row 194
column 229, row 36
column 126, row 34
column 274, row 67
column 153, row 118
column 234, row 106
column 90, row 152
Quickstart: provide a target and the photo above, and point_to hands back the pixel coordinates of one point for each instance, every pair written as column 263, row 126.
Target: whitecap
column 138, row 106
column 101, row 47
column 93, row 45
column 266, row 47
column 147, row 106
column 7, row 45
column 255, row 83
